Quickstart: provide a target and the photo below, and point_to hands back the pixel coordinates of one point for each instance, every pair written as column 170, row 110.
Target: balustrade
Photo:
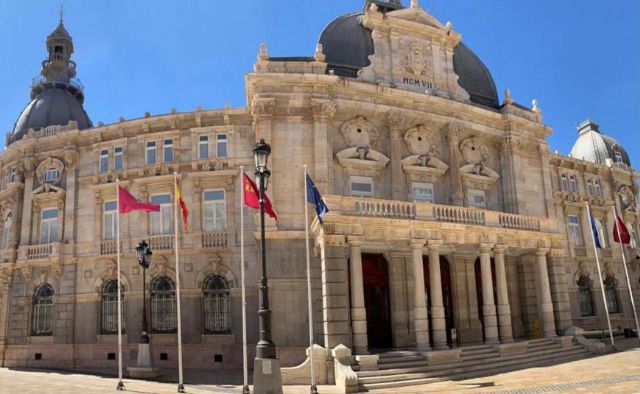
column 161, row 242
column 217, row 239
column 389, row 209
column 40, row 251
column 453, row 214
column 518, row 222
column 580, row 251
column 108, row 247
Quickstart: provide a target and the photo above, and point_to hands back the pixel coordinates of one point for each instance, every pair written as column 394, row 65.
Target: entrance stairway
column 406, row 368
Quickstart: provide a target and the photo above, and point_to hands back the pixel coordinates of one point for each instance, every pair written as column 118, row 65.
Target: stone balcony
column 39, row 251
column 422, row 211
column 214, row 239
column 161, row 242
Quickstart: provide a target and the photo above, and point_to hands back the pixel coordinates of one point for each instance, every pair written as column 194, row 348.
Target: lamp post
column 266, row 371
column 143, row 252
column 144, row 367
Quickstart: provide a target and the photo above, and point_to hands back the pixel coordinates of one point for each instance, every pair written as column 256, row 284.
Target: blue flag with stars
column 314, row 197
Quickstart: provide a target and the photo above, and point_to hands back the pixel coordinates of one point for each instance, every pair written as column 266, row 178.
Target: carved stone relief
column 627, row 198
column 49, row 163
column 417, row 58
column 477, row 156
column 360, row 135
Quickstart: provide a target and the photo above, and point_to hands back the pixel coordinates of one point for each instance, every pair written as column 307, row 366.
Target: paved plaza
column 612, row 373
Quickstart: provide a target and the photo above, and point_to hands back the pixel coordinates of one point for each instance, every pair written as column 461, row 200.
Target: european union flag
column 314, row 197
column 594, row 231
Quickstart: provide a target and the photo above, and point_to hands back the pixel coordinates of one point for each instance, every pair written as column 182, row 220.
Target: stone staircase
column 406, row 368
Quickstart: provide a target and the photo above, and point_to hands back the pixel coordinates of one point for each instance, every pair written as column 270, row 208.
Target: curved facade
column 419, row 180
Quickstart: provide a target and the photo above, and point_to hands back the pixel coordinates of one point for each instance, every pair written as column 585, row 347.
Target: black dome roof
column 53, row 107
column 347, row 46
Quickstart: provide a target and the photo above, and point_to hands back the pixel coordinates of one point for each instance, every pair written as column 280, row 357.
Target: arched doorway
column 375, row 277
column 478, row 271
column 447, row 295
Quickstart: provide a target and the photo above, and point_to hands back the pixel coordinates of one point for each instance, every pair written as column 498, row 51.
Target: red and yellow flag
column 183, row 206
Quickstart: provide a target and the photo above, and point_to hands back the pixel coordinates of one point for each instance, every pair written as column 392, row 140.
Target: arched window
column 163, row 305
column 42, row 312
column 584, row 296
column 217, row 309
column 109, row 308
column 6, row 230
column 610, row 285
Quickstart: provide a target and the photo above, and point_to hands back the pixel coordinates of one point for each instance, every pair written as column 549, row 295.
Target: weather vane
column 61, row 14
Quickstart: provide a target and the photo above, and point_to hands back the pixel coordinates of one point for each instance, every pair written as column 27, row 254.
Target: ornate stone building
column 451, row 223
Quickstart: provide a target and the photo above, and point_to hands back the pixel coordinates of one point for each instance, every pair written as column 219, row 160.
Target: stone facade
column 448, row 220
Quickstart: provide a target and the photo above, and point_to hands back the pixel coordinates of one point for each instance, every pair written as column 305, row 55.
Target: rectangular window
column 221, row 145
column 632, row 232
column 51, row 175
column 589, row 188
column 117, row 158
column 574, row 230
column 203, row 147
column 167, row 147
column 14, row 175
column 422, row 192
column 564, row 183
column 109, row 220
column 361, row 186
column 573, row 185
column 214, row 210
column 597, row 189
column 150, row 155
column 602, row 233
column 476, row 199
column 48, row 226
column 161, row 222
column 104, row 160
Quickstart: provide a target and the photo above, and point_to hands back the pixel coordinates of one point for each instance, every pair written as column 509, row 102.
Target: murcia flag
column 183, row 206
column 129, row 203
column 624, row 237
column 252, row 196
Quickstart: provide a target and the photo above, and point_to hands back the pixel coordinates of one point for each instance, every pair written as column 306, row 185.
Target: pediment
column 416, row 15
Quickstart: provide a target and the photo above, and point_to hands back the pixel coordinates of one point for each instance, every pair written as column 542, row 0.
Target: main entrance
column 447, row 295
column 375, row 273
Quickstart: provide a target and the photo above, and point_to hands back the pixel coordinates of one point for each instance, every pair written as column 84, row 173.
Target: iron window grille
column 109, row 308
column 613, row 303
column 217, row 307
column 585, row 296
column 163, row 306
column 42, row 313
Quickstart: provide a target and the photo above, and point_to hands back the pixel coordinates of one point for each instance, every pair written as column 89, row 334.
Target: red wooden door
column 375, row 272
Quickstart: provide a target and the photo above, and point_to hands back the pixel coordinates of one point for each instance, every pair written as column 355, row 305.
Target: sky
column 578, row 58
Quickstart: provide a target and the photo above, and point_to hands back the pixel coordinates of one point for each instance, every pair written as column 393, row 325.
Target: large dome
column 53, row 107
column 347, row 46
column 592, row 145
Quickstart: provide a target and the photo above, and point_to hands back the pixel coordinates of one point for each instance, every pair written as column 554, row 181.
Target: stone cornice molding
column 262, row 108
column 323, row 110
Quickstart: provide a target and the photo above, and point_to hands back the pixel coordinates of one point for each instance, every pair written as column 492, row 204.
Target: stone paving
column 612, row 373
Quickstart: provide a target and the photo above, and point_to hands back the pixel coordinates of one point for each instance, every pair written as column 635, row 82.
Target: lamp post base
column 267, row 378
column 144, row 368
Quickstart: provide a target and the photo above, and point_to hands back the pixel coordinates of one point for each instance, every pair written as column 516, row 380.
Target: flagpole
column 245, row 374
column 176, row 243
column 595, row 250
column 626, row 272
column 120, row 386
column 313, row 389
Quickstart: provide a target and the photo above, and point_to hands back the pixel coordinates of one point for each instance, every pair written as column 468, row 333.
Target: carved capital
column 485, row 248
column 417, row 244
column 542, row 251
column 434, row 244
column 354, row 241
column 499, row 249
column 395, row 120
column 323, row 110
column 262, row 108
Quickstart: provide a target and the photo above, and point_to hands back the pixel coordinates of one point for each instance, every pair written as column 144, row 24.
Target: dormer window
column 573, row 185
column 51, row 175
column 597, row 189
column 617, row 156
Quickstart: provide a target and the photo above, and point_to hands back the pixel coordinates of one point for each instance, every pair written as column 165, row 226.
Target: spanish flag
column 183, row 206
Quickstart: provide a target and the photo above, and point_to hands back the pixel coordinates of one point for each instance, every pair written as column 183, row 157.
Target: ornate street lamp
column 266, row 371
column 144, row 368
column 143, row 252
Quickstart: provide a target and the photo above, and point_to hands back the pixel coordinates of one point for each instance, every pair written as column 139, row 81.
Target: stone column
column 559, row 291
column 323, row 111
column 395, row 122
column 438, row 324
column 488, row 306
column 544, row 290
column 457, row 195
column 504, row 310
column 335, row 291
column 420, row 317
column 358, row 310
